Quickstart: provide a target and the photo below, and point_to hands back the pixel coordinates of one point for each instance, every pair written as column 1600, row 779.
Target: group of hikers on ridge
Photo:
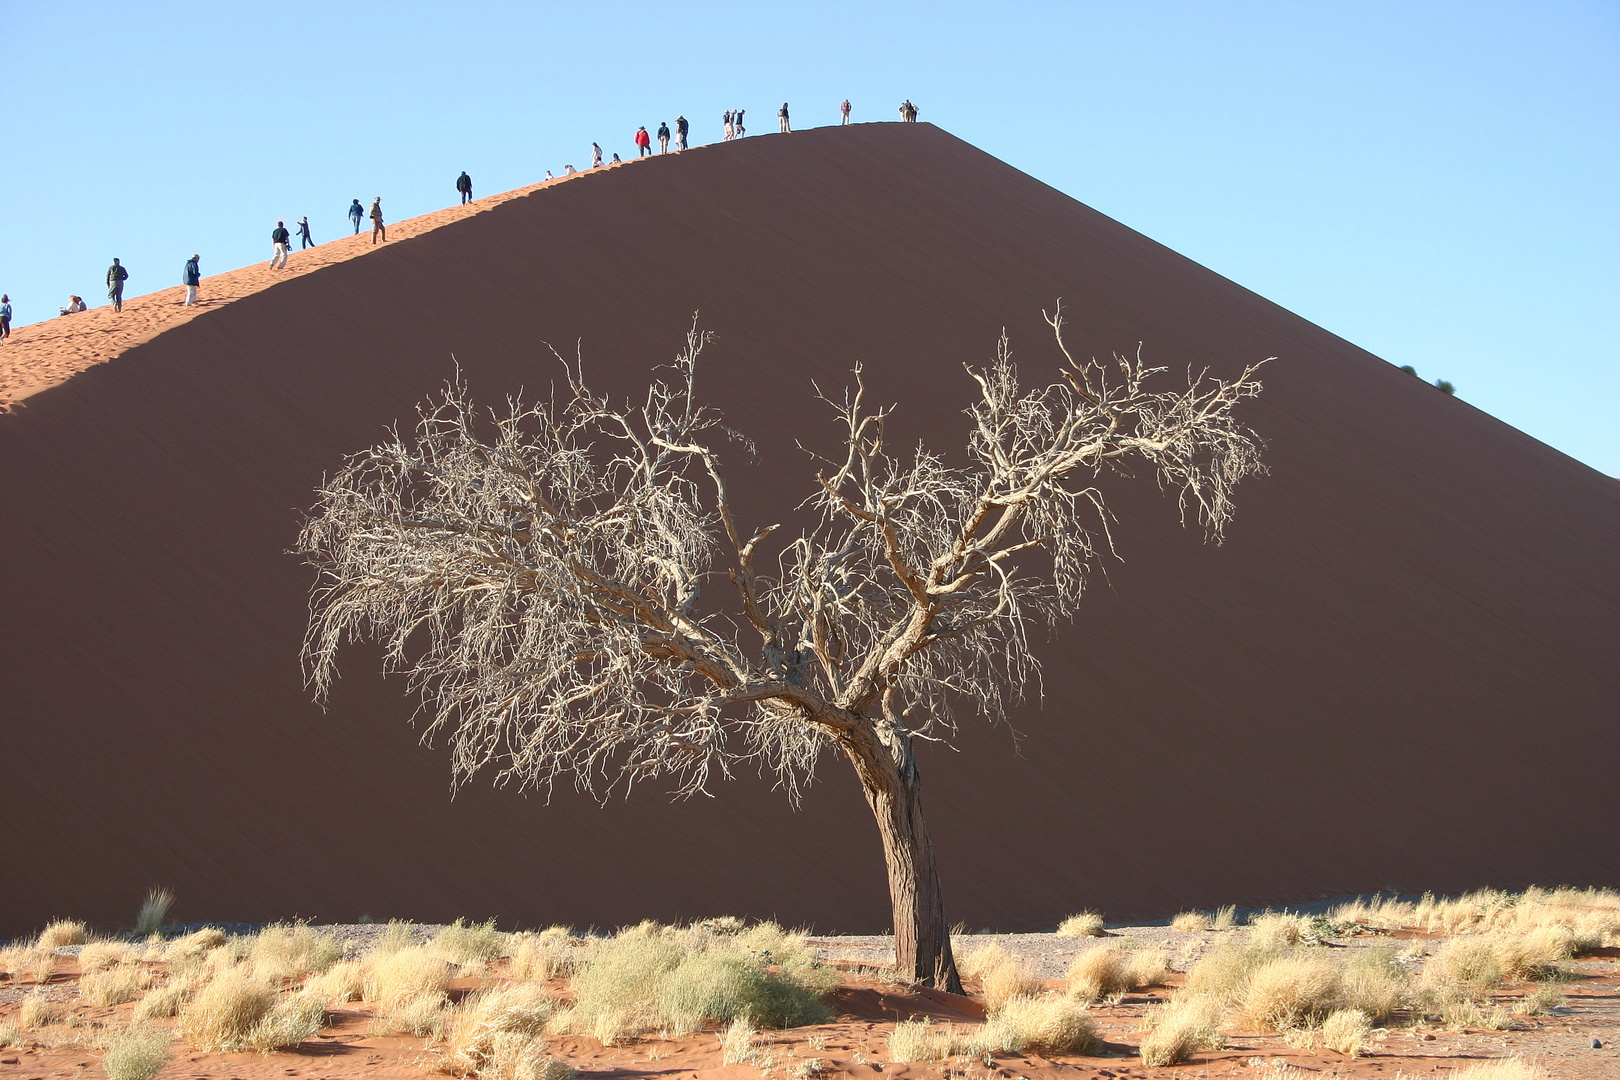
column 281, row 236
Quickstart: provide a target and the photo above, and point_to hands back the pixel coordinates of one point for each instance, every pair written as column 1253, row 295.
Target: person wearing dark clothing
column 377, row 228
column 464, row 185
column 736, row 123
column 5, row 317
column 116, row 276
column 727, row 119
column 643, row 142
column 357, row 214
column 663, row 137
column 680, row 132
column 908, row 111
column 843, row 111
column 191, row 278
column 304, row 239
column 281, row 241
column 782, row 117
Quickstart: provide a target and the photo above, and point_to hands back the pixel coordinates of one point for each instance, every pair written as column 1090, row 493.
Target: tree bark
column 922, row 941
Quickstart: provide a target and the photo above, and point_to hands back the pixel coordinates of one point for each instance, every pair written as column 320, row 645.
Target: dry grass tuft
column 292, row 951
column 1007, row 981
column 426, row 1016
column 1375, row 982
column 1085, row 924
column 10, row 1035
column 136, row 1053
column 222, row 1013
column 1501, row 1069
column 1224, row 973
column 550, row 953
column 1276, row 929
column 63, row 932
column 1191, row 921
column 470, row 944
column 1147, row 967
column 289, row 1022
column 410, row 972
column 1225, row 918
column 1467, row 964
column 104, row 954
column 114, row 985
column 343, row 982
column 1187, row 1024
column 38, row 1011
column 493, row 1026
column 1541, row 1000
column 1043, row 1025
column 920, row 1040
column 163, row 1002
column 1099, row 973
column 739, row 1048
column 1292, row 991
column 192, row 947
column 981, row 961
column 1347, row 1031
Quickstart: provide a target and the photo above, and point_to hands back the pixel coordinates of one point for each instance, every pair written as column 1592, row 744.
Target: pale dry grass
column 470, row 945
column 343, row 982
column 738, row 1047
column 293, row 1019
column 550, row 953
column 1179, row 1029
column 426, row 1016
column 1541, row 1000
column 1147, row 967
column 1347, row 1031
column 1042, row 1025
column 1084, row 924
column 192, row 947
column 1099, row 973
column 1278, row 929
column 1501, row 1069
column 114, row 985
column 63, row 932
column 1593, row 915
column 1292, row 991
column 292, row 951
column 1375, row 982
column 1007, row 981
column 1224, row 973
column 39, row 1011
column 222, row 1013
column 1225, row 918
column 1466, row 964
column 136, row 1053
column 492, row 1026
column 104, row 954
column 410, row 972
column 1191, row 922
column 921, row 1040
column 163, row 1002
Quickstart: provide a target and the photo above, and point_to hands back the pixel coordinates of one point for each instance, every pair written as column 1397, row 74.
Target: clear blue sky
column 1437, row 182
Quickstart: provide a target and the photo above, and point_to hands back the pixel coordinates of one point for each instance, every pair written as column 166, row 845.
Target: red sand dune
column 1398, row 673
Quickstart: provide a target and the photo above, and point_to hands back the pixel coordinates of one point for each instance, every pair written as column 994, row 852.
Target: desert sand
column 1397, row 673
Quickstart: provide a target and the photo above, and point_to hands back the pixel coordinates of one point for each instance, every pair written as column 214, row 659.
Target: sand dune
column 1398, row 672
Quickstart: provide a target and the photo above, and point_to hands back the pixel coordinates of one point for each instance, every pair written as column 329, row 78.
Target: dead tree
column 537, row 574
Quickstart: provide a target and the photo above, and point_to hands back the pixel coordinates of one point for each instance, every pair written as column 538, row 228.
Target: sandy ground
column 855, row 1044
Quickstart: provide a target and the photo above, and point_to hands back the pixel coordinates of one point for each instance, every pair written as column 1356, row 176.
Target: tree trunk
column 922, row 941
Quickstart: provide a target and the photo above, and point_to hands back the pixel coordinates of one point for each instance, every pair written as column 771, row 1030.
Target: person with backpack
column 191, row 277
column 116, row 276
column 281, row 241
column 643, row 142
column 464, row 185
column 357, row 214
column 304, row 239
column 737, row 124
column 663, row 137
column 680, row 132
column 377, row 227
column 843, row 111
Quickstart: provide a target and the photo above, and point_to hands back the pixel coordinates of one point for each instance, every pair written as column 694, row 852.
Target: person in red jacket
column 643, row 142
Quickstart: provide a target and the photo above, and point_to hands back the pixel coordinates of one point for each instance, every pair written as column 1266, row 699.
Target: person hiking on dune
column 596, row 156
column 680, row 132
column 643, row 142
column 304, row 239
column 464, row 185
column 5, row 316
column 727, row 119
column 377, row 228
column 116, row 275
column 782, row 119
column 663, row 137
column 736, row 124
column 357, row 214
column 281, row 241
column 843, row 111
column 191, row 277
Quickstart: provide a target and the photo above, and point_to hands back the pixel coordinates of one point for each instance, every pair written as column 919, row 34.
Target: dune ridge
column 1396, row 673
